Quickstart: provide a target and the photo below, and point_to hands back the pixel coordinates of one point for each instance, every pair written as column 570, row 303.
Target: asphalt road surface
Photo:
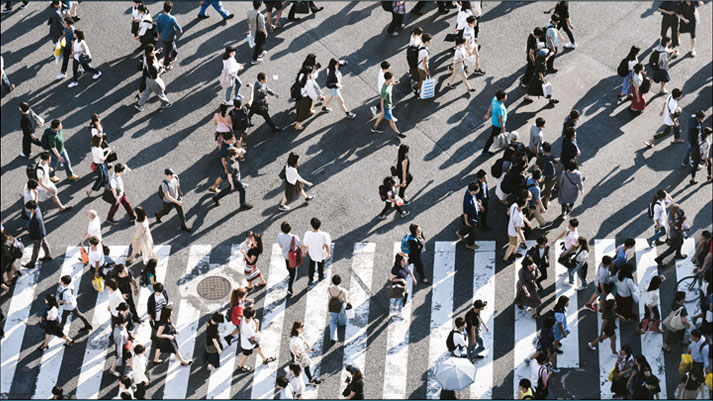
column 346, row 163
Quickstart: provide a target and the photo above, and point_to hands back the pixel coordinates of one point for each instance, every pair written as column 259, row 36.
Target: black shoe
column 203, row 16
column 659, row 263
column 400, row 135
column 310, row 282
column 317, row 10
column 332, row 342
column 293, row 18
column 675, row 257
column 559, row 351
column 527, row 100
column 29, row 266
column 228, row 339
column 46, row 258
column 158, row 219
column 86, row 328
column 215, row 200
column 245, row 206
column 186, row 229
column 229, row 17
column 479, row 357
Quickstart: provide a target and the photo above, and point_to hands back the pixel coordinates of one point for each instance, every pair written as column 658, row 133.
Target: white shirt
column 135, row 13
column 625, row 288
column 661, row 213
column 315, row 242
column 602, row 275
column 652, row 298
column 462, row 19
column 632, row 63
column 515, row 220
column 582, row 256
column 94, row 228
column 97, row 154
column 232, row 66
column 96, row 132
column 52, row 314
column 469, row 36
column 247, row 330
column 285, row 240
column 96, row 256
column 139, row 369
column 291, row 175
column 380, row 80
column 287, row 393
column 43, row 175
column 414, row 40
column 115, row 298
column 78, row 49
column 66, row 295
column 422, row 53
column 705, row 148
column 571, row 239
column 459, row 341
column 117, row 184
column 459, row 54
column 297, row 383
column 145, row 24
column 535, row 373
column 696, row 350
column 297, row 342
column 28, row 195
column 671, row 105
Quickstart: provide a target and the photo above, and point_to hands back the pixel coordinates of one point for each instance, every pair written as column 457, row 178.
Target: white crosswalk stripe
column 606, row 358
column 525, row 332
column 570, row 345
column 484, row 289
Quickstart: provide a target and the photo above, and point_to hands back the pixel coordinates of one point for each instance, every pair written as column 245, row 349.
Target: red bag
column 93, row 167
column 294, row 255
column 83, row 255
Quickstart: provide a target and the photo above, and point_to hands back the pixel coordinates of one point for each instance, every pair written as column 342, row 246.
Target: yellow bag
column 98, row 283
column 611, row 374
column 686, row 364
column 59, row 46
column 709, row 380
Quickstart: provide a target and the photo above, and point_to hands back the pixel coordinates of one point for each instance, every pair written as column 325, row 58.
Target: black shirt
column 668, row 6
column 124, row 284
column 27, row 125
column 357, row 386
column 562, row 9
column 211, row 332
column 472, row 320
column 531, row 45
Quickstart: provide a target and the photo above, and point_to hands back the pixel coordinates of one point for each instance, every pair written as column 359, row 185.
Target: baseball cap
column 168, row 171
column 479, row 303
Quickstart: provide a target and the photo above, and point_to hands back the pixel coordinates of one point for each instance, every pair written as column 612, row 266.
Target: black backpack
column 412, row 56
column 654, row 59
column 296, row 91
column 450, row 343
column 383, row 192
column 496, row 170
column 645, row 85
column 31, row 170
column 45, row 140
column 387, row 6
column 541, row 391
column 650, row 210
column 623, row 69
column 240, row 119
column 160, row 187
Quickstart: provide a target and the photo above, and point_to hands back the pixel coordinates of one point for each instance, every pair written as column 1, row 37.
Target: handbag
column 301, row 7
column 294, row 255
column 395, row 291
column 93, row 167
column 547, row 90
column 673, row 320
column 611, row 374
column 111, row 158
column 428, row 88
column 225, row 80
column 349, row 311
column 98, row 283
column 686, row 364
column 251, row 41
column 83, row 255
column 304, row 360
column 109, row 197
column 85, row 58
column 106, row 250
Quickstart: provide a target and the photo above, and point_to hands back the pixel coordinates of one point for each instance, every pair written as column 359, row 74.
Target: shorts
column 247, row 352
column 387, row 115
column 514, row 241
column 334, row 92
column 222, row 173
column 661, row 75
column 273, row 5
column 609, row 330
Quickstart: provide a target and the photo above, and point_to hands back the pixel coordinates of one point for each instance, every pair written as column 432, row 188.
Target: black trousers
column 551, row 61
column 292, row 273
column 238, row 187
column 543, row 275
column 676, row 244
column 483, row 216
column 320, row 269
column 132, row 307
column 65, row 57
column 167, row 206
column 140, row 393
column 77, row 314
column 529, row 71
column 265, row 114
column 441, row 6
column 87, row 68
column 402, row 190
column 418, row 264
column 493, row 133
column 563, row 25
column 27, row 142
column 387, row 206
column 670, row 21
column 396, row 21
column 312, row 7
column 259, row 42
column 468, row 232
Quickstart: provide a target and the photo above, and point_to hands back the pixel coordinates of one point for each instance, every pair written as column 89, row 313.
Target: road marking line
column 143, row 332
column 606, row 359
column 525, row 331
column 484, row 289
column 570, row 345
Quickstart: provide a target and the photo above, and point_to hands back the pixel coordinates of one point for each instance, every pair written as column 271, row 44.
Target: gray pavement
column 346, row 162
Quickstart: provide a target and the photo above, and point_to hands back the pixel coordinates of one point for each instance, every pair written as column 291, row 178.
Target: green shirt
column 386, row 95
column 56, row 140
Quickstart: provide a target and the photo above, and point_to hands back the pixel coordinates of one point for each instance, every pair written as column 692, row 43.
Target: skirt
column 212, row 357
column 533, row 301
column 168, row 346
column 304, row 108
column 534, row 88
column 661, row 75
column 625, row 306
column 292, row 190
column 251, row 272
column 639, row 102
column 52, row 327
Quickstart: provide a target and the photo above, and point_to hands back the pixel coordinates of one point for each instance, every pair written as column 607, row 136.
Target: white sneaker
column 22, row 154
column 373, row 110
column 61, row 76
column 256, row 61
column 97, row 75
column 693, row 53
column 570, row 46
column 284, row 208
column 72, row 84
column 592, row 347
column 263, row 54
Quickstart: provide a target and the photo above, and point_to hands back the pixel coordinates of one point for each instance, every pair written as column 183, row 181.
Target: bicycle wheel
column 690, row 287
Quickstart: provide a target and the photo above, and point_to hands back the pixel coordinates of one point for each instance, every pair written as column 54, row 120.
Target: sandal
column 244, row 369
column 42, row 348
column 268, row 360
column 187, row 363
column 158, row 362
column 69, row 344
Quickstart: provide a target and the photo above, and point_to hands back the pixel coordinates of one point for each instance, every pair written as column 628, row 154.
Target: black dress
column 52, row 327
column 166, row 345
column 534, row 87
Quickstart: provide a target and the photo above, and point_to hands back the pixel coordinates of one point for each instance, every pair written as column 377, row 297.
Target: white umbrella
column 455, row 373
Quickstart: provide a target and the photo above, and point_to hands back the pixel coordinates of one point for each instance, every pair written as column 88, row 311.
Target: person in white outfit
column 294, row 183
column 82, row 56
column 229, row 77
column 250, row 340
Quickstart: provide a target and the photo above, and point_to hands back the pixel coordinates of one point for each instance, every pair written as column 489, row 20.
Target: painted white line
column 90, row 377
column 397, row 341
column 359, row 296
column 20, row 304
column 651, row 343
column 142, row 333
column 484, row 289
column 444, row 257
column 186, row 322
column 271, row 326
column 525, row 331
column 570, row 345
column 606, row 359
column 52, row 358
column 316, row 323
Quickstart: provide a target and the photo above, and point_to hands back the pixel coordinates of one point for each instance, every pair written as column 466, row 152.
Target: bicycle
column 692, row 285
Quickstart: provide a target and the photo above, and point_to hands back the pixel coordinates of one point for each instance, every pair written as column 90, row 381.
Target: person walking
column 516, row 236
column 138, row 371
column 701, row 154
column 258, row 32
column 125, row 281
column 229, row 76
column 527, row 295
column 456, row 342
column 638, row 82
column 172, row 198
column 294, row 183
column 562, row 10
column 669, row 20
column 603, row 283
column 458, row 66
column 38, row 235
column 469, row 218
column 68, row 304
column 628, row 63
column 317, row 244
column 142, row 241
column 168, row 27
column 670, row 112
column 338, row 299
column 250, row 340
column 334, row 83
column 695, row 129
column 389, row 195
column 241, row 120
column 548, row 165
column 234, row 179
column 68, row 36
column 355, row 384
column 398, row 12
column 538, row 85
column 483, row 196
column 498, row 114
column 166, row 338
column 561, row 329
column 660, row 63
column 581, row 254
column 387, row 106
column 400, row 272
column 310, row 93
column 571, row 186
column 403, row 167
column 43, row 185
column 287, row 243
column 416, row 245
column 251, row 250
column 673, row 336
column 627, row 293
column 532, row 184
column 552, row 39
column 50, row 323
column 659, row 212
column 259, row 105
column 312, row 7
column 474, row 322
column 213, row 347
column 116, row 183
column 623, row 370
column 270, row 6
column 222, row 123
column 300, row 349
column 152, row 71
column 238, row 303
column 422, row 67
column 652, row 317
column 676, row 221
column 99, row 158
column 608, row 327
column 29, row 121
column 81, row 56
column 55, row 144
column 155, row 304
column 218, row 6
column 123, row 344
column 687, row 15
column 534, row 44
column 540, row 255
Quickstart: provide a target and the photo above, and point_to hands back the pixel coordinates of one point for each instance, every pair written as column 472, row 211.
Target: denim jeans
column 216, row 4
column 661, row 232
column 395, row 304
column 237, row 83
column 474, row 350
column 67, row 164
column 581, row 271
column 334, row 319
column 102, row 177
column 6, row 82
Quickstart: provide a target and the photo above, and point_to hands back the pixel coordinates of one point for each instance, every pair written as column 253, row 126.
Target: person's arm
column 483, row 323
column 159, row 333
column 327, row 250
column 698, row 248
column 564, row 332
column 425, row 65
column 502, row 123
column 551, row 9
column 558, row 237
column 404, row 167
column 489, row 113
column 216, row 344
column 133, row 284
column 302, row 180
column 531, row 55
column 550, row 42
column 663, row 107
column 541, row 205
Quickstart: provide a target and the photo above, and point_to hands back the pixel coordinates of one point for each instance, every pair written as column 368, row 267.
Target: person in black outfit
column 312, row 7
column 38, row 234
column 28, row 122
column 483, row 196
column 442, row 7
column 213, row 347
column 562, row 9
column 416, row 243
column 259, row 105
column 540, row 254
column 355, row 384
column 532, row 40
column 403, row 165
column 669, row 9
column 125, row 281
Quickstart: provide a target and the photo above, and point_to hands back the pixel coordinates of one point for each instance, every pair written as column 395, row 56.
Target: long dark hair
column 228, row 50
column 51, row 301
column 222, row 109
column 292, row 159
column 561, row 302
column 333, row 65
column 465, row 5
column 626, row 271
column 403, row 151
column 166, row 314
column 140, row 213
column 654, row 283
column 304, row 73
column 632, row 53
column 295, row 326
column 397, row 260
column 310, row 61
column 258, row 241
column 95, row 121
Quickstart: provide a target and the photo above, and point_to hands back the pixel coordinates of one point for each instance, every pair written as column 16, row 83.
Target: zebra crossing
column 397, row 360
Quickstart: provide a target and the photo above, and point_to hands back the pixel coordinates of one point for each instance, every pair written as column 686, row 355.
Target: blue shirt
column 620, row 257
column 167, row 27
column 69, row 37
column 498, row 111
column 470, row 205
column 534, row 189
column 552, row 34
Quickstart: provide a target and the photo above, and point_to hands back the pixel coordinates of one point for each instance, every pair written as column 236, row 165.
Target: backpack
column 650, row 210
column 294, row 256
column 240, row 119
column 404, row 243
column 654, row 59
column 161, row 195
column 623, row 69
column 514, row 151
column 496, row 170
column 645, row 85
column 334, row 305
column 31, row 170
column 296, row 91
column 383, row 192
column 450, row 344
column 17, row 248
column 412, row 56
column 541, row 391
column 387, row 6
column 45, row 140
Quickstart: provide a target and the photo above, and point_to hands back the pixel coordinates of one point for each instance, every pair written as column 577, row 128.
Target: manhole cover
column 214, row 288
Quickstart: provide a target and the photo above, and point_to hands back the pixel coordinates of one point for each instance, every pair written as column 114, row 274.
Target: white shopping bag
column 470, row 62
column 428, row 88
column 251, row 41
column 547, row 89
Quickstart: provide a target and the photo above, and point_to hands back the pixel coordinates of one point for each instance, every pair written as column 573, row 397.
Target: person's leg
column 265, row 114
column 292, row 273
column 204, row 7
column 88, row 68
column 417, row 8
column 181, row 215
column 63, row 320
column 320, row 269
column 48, row 254
column 112, row 211
column 564, row 26
column 26, row 145
column 67, row 163
column 333, row 318
column 674, row 31
column 393, row 25
column 308, row 373
column 471, row 232
column 158, row 88
column 666, row 131
column 65, row 58
column 387, row 206
column 259, row 42
column 241, row 191
column 677, row 132
column 140, row 392
column 538, row 216
column 677, row 243
column 551, row 61
column 310, row 274
column 167, row 48
column 166, row 209
column 145, row 94
column 127, row 206
column 132, row 307
column 493, row 133
column 418, row 264
column 80, row 316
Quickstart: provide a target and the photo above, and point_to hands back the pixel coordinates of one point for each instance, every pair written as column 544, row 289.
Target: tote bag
column 428, row 88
